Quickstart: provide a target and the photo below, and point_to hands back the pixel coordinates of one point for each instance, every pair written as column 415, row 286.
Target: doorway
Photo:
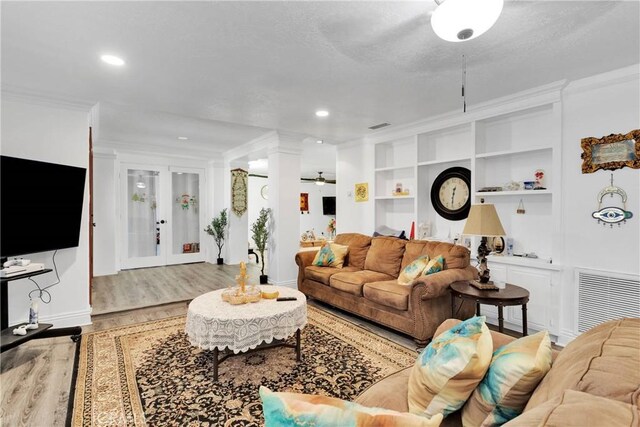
column 161, row 215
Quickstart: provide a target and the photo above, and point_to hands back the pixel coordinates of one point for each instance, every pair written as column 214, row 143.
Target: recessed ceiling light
column 319, row 141
column 112, row 60
column 322, row 113
column 182, row 138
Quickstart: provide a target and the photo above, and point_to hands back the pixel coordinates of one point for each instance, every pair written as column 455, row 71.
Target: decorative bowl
column 270, row 294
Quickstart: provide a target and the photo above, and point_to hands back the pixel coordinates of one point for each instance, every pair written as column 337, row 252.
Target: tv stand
column 7, row 339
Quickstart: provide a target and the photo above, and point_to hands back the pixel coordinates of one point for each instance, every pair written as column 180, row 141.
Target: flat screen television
column 328, row 205
column 41, row 206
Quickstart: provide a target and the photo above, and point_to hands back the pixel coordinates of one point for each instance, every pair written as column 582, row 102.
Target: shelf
column 393, row 168
column 512, row 193
column 9, row 340
column 394, row 197
column 511, row 152
column 540, row 263
column 438, row 162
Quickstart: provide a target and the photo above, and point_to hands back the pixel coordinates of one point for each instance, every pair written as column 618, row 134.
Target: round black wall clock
column 451, row 193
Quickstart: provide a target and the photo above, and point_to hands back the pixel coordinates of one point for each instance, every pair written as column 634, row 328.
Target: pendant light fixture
column 320, row 179
column 460, row 20
column 140, row 183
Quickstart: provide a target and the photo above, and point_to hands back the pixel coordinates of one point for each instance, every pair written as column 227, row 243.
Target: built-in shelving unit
column 500, row 144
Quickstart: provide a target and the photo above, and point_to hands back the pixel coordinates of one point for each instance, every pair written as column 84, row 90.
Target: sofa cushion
column 292, row 409
column 515, row 371
column 323, row 274
column 385, row 255
column 602, row 361
column 331, row 255
column 576, row 409
column 449, row 368
column 412, row 250
column 455, row 256
column 358, row 248
column 352, row 282
column 388, row 293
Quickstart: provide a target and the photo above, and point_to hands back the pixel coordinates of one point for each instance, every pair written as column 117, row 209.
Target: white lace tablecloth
column 212, row 322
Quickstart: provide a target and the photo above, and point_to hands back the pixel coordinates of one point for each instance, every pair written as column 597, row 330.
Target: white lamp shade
column 453, row 18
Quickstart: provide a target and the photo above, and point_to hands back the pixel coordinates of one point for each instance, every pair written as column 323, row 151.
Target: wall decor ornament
column 610, row 215
column 612, row 152
column 185, row 200
column 239, row 191
column 304, row 203
column 362, row 192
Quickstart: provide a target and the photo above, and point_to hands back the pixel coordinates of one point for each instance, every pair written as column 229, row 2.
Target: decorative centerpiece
column 242, row 294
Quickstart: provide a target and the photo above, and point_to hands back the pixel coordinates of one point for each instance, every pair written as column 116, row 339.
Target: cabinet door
column 538, row 283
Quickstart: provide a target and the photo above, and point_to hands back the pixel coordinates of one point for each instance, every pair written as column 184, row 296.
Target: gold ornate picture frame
column 362, row 192
column 612, row 152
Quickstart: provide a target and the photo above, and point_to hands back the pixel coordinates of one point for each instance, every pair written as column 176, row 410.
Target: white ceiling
column 222, row 73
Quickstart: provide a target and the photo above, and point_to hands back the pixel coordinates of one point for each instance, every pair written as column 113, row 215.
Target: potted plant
column 260, row 235
column 217, row 229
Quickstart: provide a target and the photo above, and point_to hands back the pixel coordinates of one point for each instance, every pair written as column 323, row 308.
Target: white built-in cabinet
column 499, row 142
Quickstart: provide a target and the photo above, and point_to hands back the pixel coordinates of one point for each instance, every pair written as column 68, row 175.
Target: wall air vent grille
column 379, row 126
column 603, row 296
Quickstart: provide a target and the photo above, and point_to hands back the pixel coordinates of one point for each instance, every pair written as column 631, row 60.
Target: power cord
column 43, row 293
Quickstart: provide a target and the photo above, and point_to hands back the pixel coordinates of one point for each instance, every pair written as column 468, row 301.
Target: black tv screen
column 41, row 206
column 328, row 205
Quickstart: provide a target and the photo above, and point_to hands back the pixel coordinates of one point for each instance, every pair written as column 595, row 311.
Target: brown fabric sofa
column 367, row 284
column 594, row 381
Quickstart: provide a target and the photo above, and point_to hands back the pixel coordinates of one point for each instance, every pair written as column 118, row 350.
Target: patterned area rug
column 149, row 374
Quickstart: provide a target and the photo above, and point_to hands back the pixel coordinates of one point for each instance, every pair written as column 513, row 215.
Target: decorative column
column 284, row 202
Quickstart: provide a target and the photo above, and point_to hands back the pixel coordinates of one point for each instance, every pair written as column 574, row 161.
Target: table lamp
column 483, row 221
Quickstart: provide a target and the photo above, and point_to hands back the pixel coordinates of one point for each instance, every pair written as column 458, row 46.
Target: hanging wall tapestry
column 611, row 152
column 239, row 191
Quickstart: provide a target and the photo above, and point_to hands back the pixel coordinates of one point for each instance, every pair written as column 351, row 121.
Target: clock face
column 451, row 195
column 264, row 192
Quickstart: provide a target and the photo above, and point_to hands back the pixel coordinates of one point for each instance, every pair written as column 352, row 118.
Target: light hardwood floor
column 148, row 287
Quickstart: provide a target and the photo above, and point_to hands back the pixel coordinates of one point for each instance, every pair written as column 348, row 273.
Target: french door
column 161, row 216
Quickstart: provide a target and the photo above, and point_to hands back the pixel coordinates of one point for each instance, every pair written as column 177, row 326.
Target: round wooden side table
column 510, row 295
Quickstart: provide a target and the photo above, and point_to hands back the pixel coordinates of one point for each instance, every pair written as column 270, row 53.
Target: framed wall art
column 362, row 192
column 304, row 203
column 612, row 152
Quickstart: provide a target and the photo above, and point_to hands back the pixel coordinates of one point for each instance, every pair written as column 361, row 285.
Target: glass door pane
column 185, row 219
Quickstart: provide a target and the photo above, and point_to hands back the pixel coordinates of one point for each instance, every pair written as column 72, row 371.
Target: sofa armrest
column 303, row 260
column 437, row 284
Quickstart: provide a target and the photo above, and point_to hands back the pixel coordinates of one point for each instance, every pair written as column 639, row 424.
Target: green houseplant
column 218, row 229
column 260, row 235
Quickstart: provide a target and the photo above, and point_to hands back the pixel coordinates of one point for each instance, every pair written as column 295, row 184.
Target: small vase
column 220, row 261
column 264, row 279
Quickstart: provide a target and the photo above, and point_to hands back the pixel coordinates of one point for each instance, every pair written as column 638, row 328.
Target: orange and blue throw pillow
column 331, row 255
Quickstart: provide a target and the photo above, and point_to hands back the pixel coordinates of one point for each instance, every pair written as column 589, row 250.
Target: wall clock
column 264, row 192
column 451, row 193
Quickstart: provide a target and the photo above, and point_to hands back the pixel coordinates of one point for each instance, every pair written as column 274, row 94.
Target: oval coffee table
column 213, row 324
column 510, row 295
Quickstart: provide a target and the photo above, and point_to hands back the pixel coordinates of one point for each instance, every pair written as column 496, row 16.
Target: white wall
column 354, row 164
column 597, row 107
column 255, row 201
column 104, row 214
column 54, row 134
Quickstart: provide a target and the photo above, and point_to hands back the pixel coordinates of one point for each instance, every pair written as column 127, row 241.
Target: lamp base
column 489, row 286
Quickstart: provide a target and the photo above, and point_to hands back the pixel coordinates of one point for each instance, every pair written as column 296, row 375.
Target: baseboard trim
column 66, row 320
column 565, row 337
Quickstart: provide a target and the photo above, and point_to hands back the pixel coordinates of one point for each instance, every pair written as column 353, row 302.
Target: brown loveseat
column 594, row 381
column 367, row 284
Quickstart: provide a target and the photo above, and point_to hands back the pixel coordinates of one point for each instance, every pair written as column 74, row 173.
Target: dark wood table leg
column 298, row 349
column 215, row 364
column 453, row 306
column 500, row 319
column 477, row 309
column 525, row 328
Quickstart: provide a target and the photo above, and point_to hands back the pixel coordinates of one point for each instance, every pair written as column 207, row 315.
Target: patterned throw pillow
column 435, row 265
column 413, row 270
column 331, row 255
column 515, row 371
column 449, row 368
column 292, row 410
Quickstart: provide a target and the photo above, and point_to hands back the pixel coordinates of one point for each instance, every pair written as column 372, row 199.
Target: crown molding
column 153, row 149
column 260, row 143
column 613, row 77
column 17, row 94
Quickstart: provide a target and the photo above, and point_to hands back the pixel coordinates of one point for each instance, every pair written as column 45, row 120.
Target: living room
column 285, row 90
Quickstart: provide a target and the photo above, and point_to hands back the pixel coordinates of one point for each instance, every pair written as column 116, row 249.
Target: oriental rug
column 149, row 374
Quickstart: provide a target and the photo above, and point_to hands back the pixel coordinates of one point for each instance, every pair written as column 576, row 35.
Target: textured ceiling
column 223, row 73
